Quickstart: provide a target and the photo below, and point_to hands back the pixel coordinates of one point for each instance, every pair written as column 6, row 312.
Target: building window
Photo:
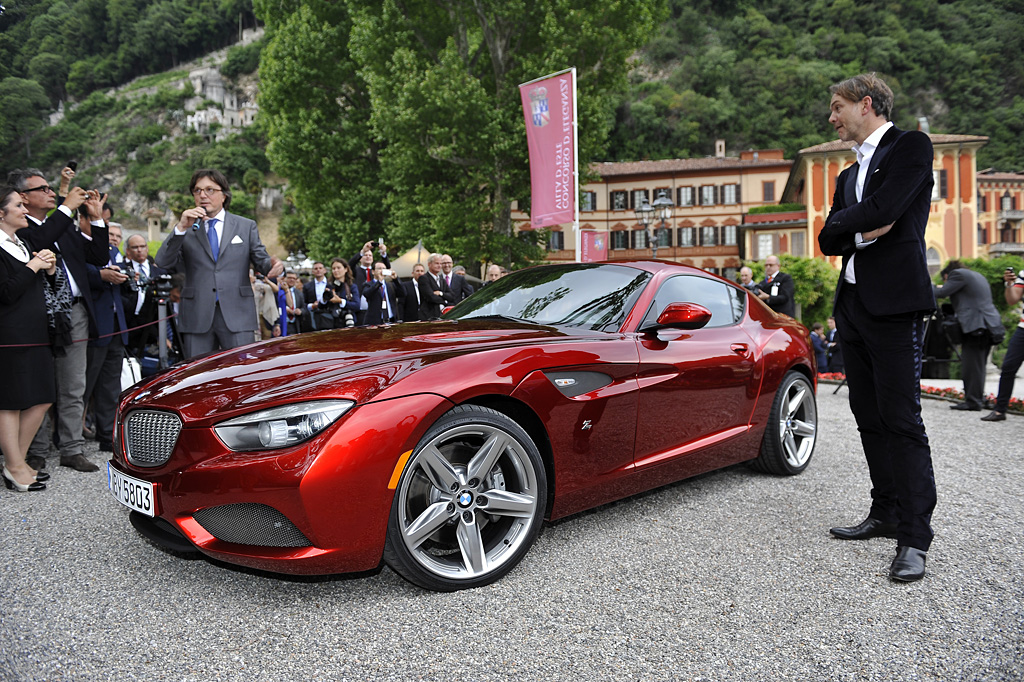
column 685, row 236
column 730, row 194
column 639, row 196
column 664, row 236
column 796, row 243
column 1006, row 203
column 685, row 197
column 620, row 239
column 939, row 189
column 707, row 195
column 729, row 235
column 589, row 202
column 619, row 200
column 639, row 239
column 765, row 245
column 982, row 235
column 982, row 203
column 556, row 241
column 709, row 236
column 768, row 191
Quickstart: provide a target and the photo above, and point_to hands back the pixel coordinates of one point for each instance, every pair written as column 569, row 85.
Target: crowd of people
column 73, row 306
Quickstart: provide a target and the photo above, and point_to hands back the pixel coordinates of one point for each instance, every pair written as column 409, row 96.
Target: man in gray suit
column 214, row 249
column 979, row 322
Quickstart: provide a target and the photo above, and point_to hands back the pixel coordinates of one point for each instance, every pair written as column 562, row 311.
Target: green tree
column 443, row 81
column 24, row 105
column 51, row 72
column 316, row 111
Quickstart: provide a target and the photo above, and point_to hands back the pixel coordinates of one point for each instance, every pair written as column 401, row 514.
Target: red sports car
column 442, row 446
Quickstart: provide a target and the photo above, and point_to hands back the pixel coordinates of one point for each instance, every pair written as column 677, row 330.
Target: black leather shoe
column 994, row 416
column 42, row 476
column 78, row 463
column 908, row 565
column 965, row 407
column 106, row 446
column 868, row 528
column 36, row 462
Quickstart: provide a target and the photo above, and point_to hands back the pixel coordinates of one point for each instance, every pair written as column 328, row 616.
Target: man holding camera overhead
column 214, row 249
column 382, row 296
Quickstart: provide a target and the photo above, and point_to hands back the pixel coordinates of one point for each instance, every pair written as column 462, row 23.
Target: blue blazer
column 107, row 305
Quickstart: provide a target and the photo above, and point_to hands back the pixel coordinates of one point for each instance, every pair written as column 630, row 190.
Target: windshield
column 595, row 297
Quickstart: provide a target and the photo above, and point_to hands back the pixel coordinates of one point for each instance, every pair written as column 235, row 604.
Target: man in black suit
column 106, row 351
column 76, row 249
column 317, row 292
column 777, row 288
column 410, row 308
column 877, row 224
column 456, row 282
column 979, row 323
column 140, row 305
column 434, row 291
column 298, row 316
column 361, row 266
column 382, row 297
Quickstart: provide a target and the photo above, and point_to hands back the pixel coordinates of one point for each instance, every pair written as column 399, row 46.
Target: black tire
column 469, row 503
column 792, row 428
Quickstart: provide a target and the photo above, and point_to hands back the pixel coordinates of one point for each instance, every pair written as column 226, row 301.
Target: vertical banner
column 549, row 105
column 594, row 246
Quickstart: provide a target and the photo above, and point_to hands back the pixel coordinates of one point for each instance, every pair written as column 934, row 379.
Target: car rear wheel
column 792, row 428
column 469, row 503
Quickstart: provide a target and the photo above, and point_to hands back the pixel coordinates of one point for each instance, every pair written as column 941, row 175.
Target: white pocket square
column 236, row 240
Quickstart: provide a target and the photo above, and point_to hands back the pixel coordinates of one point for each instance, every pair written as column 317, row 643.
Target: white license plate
column 131, row 492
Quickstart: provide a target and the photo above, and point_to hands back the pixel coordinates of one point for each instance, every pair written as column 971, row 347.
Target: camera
column 260, row 277
column 387, row 273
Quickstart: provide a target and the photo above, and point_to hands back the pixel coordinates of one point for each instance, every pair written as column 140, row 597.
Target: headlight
column 281, row 426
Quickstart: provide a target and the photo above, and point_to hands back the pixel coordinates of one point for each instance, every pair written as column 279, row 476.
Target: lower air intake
column 251, row 524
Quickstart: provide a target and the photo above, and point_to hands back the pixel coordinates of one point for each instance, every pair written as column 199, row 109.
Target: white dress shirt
column 864, row 153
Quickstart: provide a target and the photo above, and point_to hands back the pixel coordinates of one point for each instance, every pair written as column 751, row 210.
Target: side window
column 724, row 302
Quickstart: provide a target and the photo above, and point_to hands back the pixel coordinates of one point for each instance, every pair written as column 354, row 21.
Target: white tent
column 403, row 264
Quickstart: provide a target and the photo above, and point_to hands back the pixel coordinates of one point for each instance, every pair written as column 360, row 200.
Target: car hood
column 357, row 364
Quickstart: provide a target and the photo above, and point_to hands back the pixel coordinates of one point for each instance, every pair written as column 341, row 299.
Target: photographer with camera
column 382, row 296
column 344, row 295
column 265, row 295
column 139, row 296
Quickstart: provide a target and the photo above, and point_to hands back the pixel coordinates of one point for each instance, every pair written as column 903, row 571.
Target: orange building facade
column 1000, row 213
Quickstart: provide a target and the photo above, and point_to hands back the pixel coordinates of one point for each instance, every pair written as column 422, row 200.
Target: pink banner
column 594, row 246
column 549, row 108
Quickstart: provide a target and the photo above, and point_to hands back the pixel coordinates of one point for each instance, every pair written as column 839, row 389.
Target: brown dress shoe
column 78, row 463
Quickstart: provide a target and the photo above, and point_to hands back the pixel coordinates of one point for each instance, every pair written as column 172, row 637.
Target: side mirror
column 687, row 316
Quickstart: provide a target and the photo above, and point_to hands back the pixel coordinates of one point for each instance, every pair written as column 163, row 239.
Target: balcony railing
column 1011, row 214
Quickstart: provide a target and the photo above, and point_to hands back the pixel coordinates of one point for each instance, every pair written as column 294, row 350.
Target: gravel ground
column 731, row 576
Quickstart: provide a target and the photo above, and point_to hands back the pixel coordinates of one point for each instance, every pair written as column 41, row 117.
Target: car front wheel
column 469, row 503
column 792, row 428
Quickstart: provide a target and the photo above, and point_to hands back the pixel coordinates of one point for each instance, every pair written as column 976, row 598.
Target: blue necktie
column 211, row 234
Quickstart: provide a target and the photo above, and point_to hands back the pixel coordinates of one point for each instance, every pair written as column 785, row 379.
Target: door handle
column 739, row 348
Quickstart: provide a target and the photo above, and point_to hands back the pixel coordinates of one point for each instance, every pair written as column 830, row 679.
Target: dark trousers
column 1011, row 363
column 883, row 371
column 973, row 355
column 103, row 385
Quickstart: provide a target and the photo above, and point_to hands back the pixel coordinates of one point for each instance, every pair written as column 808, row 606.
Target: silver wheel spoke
column 486, row 457
column 796, row 401
column 432, row 518
column 438, row 469
column 803, row 429
column 504, row 503
column 472, row 546
column 791, row 448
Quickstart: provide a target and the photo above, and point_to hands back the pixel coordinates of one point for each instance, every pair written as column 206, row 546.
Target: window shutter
column 739, row 200
column 943, row 184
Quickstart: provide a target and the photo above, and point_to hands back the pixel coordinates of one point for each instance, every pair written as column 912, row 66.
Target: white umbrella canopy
column 403, row 264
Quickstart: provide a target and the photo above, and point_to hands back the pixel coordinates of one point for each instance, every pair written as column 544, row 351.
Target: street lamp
column 645, row 216
column 663, row 211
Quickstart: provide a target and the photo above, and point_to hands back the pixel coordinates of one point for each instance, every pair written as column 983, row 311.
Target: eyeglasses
column 41, row 188
column 205, row 191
